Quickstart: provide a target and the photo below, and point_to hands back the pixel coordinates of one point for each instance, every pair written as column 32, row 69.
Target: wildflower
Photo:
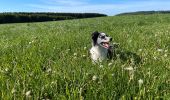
column 28, row 93
column 166, row 50
column 159, row 50
column 75, row 54
column 6, row 69
column 101, row 66
column 31, row 42
column 52, row 82
column 13, row 91
column 129, row 68
column 84, row 56
column 140, row 50
column 94, row 78
column 165, row 55
column 87, row 74
column 140, row 81
column 110, row 64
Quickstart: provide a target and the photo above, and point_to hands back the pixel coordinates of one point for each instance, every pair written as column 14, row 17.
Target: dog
column 101, row 47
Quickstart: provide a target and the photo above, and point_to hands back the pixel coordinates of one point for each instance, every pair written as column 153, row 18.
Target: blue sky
column 109, row 7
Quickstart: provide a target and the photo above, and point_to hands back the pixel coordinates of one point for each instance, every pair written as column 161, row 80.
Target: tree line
column 144, row 13
column 19, row 17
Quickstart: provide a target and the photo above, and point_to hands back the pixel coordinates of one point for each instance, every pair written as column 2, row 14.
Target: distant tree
column 40, row 17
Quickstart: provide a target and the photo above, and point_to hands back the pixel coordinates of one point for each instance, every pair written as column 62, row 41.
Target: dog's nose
column 110, row 39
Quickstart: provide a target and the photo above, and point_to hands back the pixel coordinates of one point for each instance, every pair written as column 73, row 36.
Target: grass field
column 51, row 60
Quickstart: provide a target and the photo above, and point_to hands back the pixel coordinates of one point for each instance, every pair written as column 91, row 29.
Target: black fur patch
column 94, row 37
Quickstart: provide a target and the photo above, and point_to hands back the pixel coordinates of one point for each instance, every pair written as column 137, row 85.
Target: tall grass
column 51, row 60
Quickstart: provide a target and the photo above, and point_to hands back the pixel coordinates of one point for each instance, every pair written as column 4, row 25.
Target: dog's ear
column 95, row 36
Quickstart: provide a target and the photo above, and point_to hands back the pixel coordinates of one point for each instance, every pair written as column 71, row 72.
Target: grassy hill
column 51, row 60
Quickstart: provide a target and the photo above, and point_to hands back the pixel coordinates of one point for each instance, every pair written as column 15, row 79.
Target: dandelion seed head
column 159, row 50
column 166, row 51
column 6, row 69
column 140, row 50
column 13, row 91
column 75, row 54
column 156, row 35
column 28, row 93
column 84, row 56
column 110, row 64
column 165, row 55
column 94, row 78
column 101, row 66
column 129, row 68
column 140, row 81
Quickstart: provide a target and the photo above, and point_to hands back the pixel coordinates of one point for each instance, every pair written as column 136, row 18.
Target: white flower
column 166, row 50
column 165, row 55
column 110, row 64
column 84, row 56
column 28, row 93
column 94, row 78
column 129, row 68
column 140, row 81
column 13, row 91
column 6, row 69
column 52, row 82
column 101, row 66
column 159, row 50
column 140, row 50
column 75, row 54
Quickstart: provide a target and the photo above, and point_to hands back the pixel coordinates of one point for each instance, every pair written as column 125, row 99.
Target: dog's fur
column 101, row 48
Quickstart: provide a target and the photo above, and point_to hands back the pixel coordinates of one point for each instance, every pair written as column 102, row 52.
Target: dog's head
column 101, row 39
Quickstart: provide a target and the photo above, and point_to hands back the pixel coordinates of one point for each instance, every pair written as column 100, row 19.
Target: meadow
column 51, row 60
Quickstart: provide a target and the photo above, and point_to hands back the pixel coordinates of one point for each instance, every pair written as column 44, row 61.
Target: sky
column 109, row 7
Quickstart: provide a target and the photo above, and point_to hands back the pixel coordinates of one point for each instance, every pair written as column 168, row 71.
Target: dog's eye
column 102, row 37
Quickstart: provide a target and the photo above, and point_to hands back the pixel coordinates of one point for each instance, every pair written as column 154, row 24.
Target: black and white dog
column 101, row 47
